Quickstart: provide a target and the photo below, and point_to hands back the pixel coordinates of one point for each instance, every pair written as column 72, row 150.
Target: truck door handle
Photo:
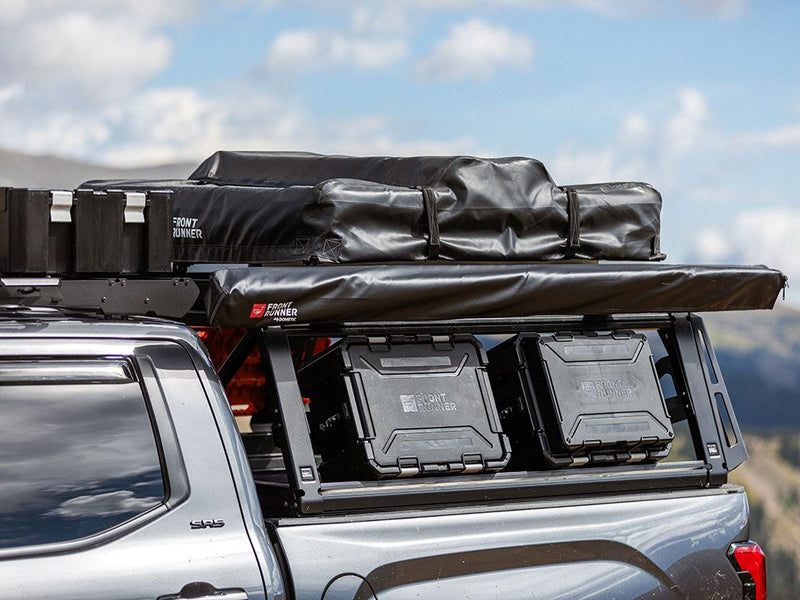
column 200, row 590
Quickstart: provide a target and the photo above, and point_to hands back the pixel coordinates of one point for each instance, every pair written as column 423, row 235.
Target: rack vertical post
column 276, row 357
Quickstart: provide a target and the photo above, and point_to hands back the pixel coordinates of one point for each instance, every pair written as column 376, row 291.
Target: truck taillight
column 750, row 563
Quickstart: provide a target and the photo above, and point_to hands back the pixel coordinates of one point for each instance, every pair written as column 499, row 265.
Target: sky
column 700, row 98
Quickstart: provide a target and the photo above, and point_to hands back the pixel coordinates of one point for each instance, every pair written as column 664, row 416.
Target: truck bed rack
column 303, row 492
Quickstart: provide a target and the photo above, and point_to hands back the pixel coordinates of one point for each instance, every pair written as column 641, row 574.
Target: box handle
column 135, row 203
column 60, row 206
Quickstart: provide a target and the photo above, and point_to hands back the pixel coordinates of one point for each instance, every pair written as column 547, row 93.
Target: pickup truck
column 334, row 378
column 124, row 475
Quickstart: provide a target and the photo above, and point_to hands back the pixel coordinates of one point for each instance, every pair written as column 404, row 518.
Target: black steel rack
column 172, row 297
column 718, row 443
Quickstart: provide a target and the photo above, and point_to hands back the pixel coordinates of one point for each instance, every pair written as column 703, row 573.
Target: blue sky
column 701, row 98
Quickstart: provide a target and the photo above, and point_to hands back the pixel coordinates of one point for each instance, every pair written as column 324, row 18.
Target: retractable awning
column 260, row 296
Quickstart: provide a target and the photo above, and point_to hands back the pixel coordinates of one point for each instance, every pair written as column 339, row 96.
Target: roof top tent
column 389, row 253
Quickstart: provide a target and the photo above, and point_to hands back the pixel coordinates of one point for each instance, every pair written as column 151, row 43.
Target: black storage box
column 393, row 407
column 570, row 400
column 51, row 232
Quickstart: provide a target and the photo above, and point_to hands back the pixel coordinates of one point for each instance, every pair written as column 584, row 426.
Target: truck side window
column 77, row 450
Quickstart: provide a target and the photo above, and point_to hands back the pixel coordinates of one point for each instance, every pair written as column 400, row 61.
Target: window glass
column 77, row 457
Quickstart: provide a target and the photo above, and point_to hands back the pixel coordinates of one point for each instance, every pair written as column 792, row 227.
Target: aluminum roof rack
column 113, row 296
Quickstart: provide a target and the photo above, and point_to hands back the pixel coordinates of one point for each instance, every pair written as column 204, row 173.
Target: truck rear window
column 78, row 454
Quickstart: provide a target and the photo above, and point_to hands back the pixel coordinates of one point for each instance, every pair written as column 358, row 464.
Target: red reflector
column 202, row 332
column 750, row 557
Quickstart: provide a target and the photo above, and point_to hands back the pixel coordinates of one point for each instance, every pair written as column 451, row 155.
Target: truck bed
column 651, row 545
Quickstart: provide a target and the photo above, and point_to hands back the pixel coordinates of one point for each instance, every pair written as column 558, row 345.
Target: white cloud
column 373, row 135
column 781, row 137
column 180, row 124
column 73, row 72
column 722, row 8
column 96, row 58
column 613, row 8
column 59, row 133
column 12, row 91
column 636, row 130
column 573, row 164
column 686, row 128
column 104, row 505
column 658, row 146
column 712, row 247
column 307, row 50
column 74, row 83
column 475, row 49
column 767, row 237
column 377, row 37
column 681, row 149
column 18, row 11
column 86, row 54
column 703, row 173
column 374, row 18
column 609, row 8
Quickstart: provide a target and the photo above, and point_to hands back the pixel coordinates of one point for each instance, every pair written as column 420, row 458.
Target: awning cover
column 260, row 296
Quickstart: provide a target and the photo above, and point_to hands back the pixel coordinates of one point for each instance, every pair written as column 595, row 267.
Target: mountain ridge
column 759, row 355
column 48, row 171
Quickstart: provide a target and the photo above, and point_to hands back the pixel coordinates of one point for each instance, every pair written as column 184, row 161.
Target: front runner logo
column 258, row 311
column 600, row 389
column 279, row 311
column 435, row 402
column 186, row 228
column 409, row 403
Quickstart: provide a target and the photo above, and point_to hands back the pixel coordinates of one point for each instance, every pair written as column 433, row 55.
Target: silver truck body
column 668, row 544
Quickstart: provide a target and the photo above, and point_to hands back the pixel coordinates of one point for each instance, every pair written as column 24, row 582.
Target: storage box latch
column 473, row 463
column 60, row 206
column 135, row 203
column 409, row 467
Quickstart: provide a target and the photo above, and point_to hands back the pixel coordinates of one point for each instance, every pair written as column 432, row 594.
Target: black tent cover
column 262, row 296
column 292, row 207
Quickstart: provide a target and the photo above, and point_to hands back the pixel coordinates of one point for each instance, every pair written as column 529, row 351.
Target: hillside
column 759, row 354
column 772, row 479
column 23, row 170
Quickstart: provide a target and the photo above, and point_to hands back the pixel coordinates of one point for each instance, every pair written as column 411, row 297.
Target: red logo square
column 258, row 311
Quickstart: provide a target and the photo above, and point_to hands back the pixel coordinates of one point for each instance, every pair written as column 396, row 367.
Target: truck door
column 113, row 480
